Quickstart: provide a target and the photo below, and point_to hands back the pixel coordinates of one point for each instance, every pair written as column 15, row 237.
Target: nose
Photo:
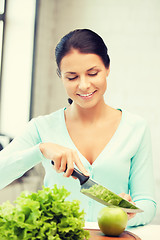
column 84, row 83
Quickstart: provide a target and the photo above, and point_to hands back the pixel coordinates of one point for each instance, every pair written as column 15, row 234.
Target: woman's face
column 84, row 78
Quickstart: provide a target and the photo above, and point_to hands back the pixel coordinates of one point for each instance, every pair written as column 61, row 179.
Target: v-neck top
column 124, row 165
column 106, row 146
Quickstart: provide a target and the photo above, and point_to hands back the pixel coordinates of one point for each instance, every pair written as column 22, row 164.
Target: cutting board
column 98, row 235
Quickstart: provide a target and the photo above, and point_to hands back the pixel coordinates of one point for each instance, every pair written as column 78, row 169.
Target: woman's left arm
column 141, row 181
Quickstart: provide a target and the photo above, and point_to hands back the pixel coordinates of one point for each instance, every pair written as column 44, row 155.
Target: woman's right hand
column 62, row 157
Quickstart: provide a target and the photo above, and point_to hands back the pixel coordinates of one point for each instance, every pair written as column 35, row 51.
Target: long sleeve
column 141, row 181
column 20, row 155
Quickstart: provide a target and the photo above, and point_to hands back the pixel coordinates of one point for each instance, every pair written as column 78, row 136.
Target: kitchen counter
column 147, row 232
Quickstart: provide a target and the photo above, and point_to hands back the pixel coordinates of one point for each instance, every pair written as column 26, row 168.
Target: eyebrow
column 91, row 68
column 71, row 72
column 87, row 70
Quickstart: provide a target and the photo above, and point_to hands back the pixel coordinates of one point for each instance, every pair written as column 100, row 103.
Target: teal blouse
column 124, row 165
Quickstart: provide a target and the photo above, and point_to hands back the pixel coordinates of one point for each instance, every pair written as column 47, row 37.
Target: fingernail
column 87, row 174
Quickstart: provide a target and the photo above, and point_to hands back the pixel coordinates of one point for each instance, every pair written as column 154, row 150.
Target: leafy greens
column 42, row 215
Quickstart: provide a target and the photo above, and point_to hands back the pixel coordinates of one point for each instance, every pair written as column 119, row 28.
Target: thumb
column 82, row 168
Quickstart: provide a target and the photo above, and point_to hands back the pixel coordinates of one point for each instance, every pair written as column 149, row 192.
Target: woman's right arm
column 20, row 155
column 27, row 150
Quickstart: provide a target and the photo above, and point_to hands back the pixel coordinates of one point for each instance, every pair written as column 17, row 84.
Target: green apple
column 112, row 221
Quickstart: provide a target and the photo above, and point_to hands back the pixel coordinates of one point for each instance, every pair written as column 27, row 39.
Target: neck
column 87, row 115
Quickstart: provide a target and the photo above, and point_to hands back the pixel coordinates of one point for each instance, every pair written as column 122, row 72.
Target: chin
column 87, row 105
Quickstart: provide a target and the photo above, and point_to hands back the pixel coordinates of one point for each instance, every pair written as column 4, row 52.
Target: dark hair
column 84, row 40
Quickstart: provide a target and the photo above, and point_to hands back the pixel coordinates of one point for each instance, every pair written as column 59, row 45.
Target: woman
column 111, row 145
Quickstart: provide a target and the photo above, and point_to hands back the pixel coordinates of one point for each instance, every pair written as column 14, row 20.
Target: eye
column 93, row 74
column 72, row 78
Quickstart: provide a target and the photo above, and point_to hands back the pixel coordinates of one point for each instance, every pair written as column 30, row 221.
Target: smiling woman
column 84, row 41
column 85, row 84
column 111, row 145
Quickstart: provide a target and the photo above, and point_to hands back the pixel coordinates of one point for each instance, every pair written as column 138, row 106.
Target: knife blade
column 101, row 194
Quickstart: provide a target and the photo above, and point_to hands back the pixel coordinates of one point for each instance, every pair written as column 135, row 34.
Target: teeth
column 86, row 95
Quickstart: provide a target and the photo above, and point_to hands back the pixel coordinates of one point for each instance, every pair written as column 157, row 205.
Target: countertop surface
column 148, row 232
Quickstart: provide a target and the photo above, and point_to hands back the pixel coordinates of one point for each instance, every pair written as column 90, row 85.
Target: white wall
column 131, row 30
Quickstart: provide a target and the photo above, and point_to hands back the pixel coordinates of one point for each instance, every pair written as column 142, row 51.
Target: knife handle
column 76, row 173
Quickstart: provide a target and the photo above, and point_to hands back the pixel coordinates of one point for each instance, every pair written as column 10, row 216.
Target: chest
column 92, row 140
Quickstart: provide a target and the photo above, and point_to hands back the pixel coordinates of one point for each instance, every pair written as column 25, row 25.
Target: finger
column 63, row 164
column 70, row 165
column 131, row 215
column 126, row 196
column 79, row 164
column 121, row 194
column 74, row 177
column 57, row 163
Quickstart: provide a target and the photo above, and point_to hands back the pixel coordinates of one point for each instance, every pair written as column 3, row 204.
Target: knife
column 101, row 194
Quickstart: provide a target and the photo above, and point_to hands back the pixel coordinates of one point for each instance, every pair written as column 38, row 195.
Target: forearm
column 149, row 208
column 15, row 164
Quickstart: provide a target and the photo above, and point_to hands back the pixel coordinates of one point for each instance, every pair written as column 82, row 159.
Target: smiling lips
column 87, row 95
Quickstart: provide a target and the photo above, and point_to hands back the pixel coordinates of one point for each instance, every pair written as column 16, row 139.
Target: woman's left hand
column 129, row 199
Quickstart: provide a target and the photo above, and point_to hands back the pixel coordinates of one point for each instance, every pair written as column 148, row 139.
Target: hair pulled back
column 85, row 41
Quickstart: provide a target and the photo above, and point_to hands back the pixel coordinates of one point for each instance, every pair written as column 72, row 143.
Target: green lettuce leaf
column 42, row 215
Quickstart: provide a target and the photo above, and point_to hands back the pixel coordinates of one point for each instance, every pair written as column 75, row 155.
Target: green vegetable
column 112, row 221
column 108, row 196
column 42, row 215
